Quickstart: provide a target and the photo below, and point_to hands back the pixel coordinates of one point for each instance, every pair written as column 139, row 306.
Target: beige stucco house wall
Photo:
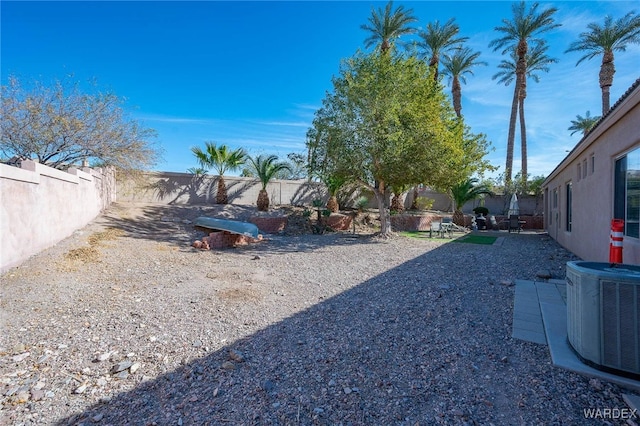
column 579, row 198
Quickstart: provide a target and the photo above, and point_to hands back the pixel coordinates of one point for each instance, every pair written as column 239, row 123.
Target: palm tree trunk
column 396, row 203
column 221, row 195
column 521, row 69
column 263, row 200
column 458, row 217
column 456, row 93
column 523, row 133
column 332, row 204
column 607, row 69
column 511, row 135
column 414, row 202
column 434, row 61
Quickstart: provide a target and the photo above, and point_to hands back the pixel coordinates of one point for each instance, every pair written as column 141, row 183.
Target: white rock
column 21, row 357
column 80, row 389
column 103, row 357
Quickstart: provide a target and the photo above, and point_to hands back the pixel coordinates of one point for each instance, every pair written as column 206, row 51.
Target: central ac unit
column 603, row 315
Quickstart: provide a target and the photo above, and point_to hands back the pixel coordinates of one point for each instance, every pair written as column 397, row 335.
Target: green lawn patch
column 424, row 235
column 477, row 239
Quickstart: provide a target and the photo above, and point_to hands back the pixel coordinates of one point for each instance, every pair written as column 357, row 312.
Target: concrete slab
column 540, row 316
column 633, row 401
column 555, row 324
column 527, row 318
column 529, row 336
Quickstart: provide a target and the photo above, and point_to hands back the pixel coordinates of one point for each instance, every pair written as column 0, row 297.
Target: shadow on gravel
column 172, row 224
column 421, row 343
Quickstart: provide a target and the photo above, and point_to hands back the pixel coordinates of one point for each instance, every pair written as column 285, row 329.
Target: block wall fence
column 41, row 206
column 185, row 188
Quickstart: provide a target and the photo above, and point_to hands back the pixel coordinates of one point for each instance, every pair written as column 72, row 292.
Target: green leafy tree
column 387, row 123
column 297, row 167
column 265, row 168
column 583, row 124
column 537, row 60
column 437, row 39
column 613, row 36
column 526, row 26
column 456, row 66
column 61, row 126
column 222, row 159
column 388, row 25
column 465, row 191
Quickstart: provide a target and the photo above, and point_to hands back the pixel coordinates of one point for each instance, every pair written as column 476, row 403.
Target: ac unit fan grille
column 620, row 305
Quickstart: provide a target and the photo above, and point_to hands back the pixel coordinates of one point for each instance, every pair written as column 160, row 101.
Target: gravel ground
column 124, row 323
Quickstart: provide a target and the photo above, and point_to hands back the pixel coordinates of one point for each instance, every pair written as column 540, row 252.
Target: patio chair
column 447, row 226
column 448, row 221
column 514, row 223
column 437, row 228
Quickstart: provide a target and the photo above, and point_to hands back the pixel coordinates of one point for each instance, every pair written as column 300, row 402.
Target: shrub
column 424, row 203
column 481, row 210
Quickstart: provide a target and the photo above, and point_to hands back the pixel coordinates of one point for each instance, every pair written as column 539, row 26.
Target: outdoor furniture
column 482, row 222
column 448, row 223
column 514, row 223
column 437, row 228
column 494, row 223
column 447, row 226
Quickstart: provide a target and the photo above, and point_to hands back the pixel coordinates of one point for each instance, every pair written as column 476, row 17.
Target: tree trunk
column 414, row 202
column 221, row 196
column 458, row 217
column 396, row 203
column 521, row 68
column 511, row 136
column 263, row 200
column 456, row 93
column 385, row 217
column 607, row 69
column 523, row 135
column 332, row 204
column 433, row 63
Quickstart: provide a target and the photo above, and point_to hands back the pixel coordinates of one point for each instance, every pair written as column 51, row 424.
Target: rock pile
column 223, row 239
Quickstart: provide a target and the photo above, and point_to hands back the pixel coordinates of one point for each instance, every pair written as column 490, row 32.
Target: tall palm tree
column 526, row 26
column 614, row 36
column 467, row 190
column 438, row 39
column 386, row 26
column 536, row 60
column 265, row 168
column 222, row 159
column 455, row 66
column 583, row 124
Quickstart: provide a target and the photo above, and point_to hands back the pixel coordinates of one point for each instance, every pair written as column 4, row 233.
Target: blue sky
column 251, row 74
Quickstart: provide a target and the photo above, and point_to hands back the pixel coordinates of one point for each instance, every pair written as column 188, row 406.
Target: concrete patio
column 540, row 316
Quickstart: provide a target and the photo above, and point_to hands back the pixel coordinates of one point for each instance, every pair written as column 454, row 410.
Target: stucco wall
column 593, row 194
column 41, row 206
column 185, row 188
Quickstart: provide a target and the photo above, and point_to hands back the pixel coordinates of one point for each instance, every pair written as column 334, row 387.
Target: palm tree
column 456, row 66
column 612, row 37
column 583, row 124
column 437, row 39
column 396, row 201
column 222, row 159
column 525, row 26
column 333, row 184
column 465, row 191
column 536, row 60
column 265, row 168
column 387, row 26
